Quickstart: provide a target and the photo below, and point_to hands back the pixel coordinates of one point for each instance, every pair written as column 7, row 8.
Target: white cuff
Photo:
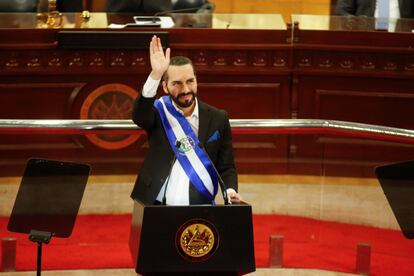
column 150, row 87
column 230, row 190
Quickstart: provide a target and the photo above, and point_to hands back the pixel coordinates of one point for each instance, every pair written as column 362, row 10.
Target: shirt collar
column 195, row 111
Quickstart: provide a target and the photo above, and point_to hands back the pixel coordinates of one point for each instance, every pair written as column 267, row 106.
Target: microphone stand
column 39, row 237
column 220, row 180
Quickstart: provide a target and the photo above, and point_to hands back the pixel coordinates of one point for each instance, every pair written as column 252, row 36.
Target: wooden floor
column 127, row 272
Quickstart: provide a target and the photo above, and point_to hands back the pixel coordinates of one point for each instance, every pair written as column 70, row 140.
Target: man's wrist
column 156, row 75
column 230, row 190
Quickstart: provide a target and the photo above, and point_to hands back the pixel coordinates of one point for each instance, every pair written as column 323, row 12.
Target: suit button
column 162, row 180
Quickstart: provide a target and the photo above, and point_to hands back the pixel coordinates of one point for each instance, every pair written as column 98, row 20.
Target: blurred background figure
column 138, row 6
column 397, row 8
column 18, row 5
column 39, row 5
column 154, row 6
column 202, row 5
column 70, row 5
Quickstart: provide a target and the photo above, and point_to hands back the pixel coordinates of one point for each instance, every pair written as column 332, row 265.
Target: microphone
column 220, row 180
column 164, row 198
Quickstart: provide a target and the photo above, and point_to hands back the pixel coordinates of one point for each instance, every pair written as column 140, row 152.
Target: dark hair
column 178, row 61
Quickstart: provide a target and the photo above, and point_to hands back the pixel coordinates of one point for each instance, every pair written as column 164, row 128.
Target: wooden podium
column 198, row 239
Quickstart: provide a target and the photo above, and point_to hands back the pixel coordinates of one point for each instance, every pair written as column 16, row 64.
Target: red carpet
column 101, row 241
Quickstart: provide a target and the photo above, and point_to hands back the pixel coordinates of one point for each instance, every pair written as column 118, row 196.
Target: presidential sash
column 186, row 147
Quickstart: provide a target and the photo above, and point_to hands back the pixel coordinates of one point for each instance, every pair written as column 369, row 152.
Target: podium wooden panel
column 155, row 239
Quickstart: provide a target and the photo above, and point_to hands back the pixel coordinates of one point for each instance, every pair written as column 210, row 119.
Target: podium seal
column 197, row 240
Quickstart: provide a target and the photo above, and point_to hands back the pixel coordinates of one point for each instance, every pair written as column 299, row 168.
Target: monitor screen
column 49, row 197
column 397, row 182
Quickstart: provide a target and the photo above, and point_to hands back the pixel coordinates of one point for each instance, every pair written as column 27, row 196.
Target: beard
column 184, row 103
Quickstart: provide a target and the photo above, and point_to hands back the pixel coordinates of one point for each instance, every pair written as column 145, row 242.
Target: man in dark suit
column 70, row 5
column 40, row 5
column 205, row 129
column 138, row 6
column 367, row 8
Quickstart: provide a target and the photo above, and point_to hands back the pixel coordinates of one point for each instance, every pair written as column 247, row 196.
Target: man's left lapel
column 205, row 118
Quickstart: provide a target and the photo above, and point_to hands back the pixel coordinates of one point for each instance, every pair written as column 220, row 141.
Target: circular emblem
column 197, row 240
column 110, row 101
column 186, row 144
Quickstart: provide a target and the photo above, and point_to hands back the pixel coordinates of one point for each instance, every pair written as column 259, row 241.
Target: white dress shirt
column 394, row 14
column 178, row 183
column 394, row 8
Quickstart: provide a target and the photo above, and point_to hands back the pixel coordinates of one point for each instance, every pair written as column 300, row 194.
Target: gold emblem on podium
column 197, row 240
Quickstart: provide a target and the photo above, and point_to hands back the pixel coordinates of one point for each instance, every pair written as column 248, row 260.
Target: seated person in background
column 70, row 5
column 138, row 6
column 153, row 6
column 40, row 5
column 18, row 6
column 398, row 8
column 198, row 5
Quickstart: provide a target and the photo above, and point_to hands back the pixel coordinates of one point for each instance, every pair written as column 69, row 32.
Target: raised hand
column 159, row 60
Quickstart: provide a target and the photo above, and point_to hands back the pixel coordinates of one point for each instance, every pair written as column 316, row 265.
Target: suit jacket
column 138, row 6
column 32, row 5
column 70, row 5
column 367, row 8
column 159, row 158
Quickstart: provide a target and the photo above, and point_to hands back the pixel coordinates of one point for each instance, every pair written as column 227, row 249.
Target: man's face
column 181, row 85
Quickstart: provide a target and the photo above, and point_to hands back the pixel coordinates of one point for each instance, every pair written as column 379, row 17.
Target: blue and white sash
column 190, row 156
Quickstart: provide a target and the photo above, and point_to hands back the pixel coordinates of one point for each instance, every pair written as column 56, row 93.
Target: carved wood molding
column 58, row 60
column 113, row 60
column 241, row 59
column 354, row 62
